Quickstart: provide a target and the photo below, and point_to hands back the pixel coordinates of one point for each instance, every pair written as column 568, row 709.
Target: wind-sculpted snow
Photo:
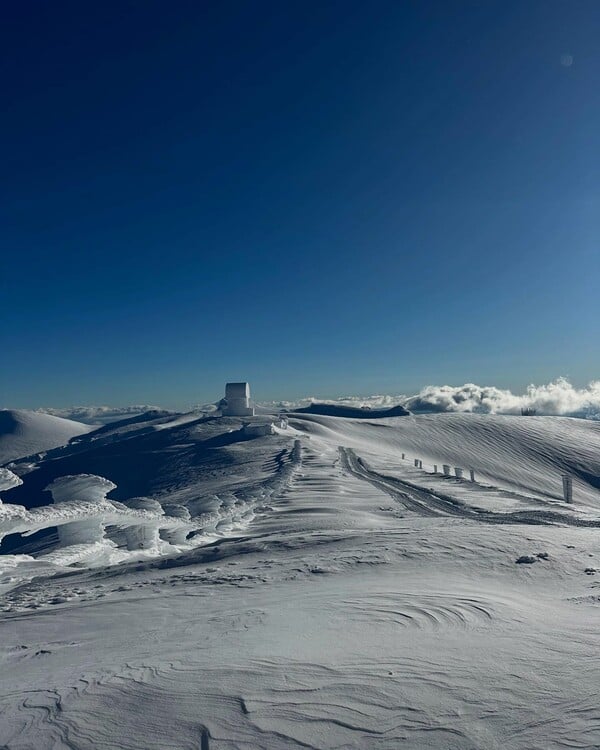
column 80, row 506
column 8, row 479
column 428, row 611
column 91, row 527
column 334, row 595
column 83, row 486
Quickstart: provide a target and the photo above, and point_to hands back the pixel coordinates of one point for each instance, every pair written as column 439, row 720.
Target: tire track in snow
column 427, row 503
column 407, row 496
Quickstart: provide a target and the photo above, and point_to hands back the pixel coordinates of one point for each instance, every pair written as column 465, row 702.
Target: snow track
column 527, row 455
column 428, row 503
column 418, row 501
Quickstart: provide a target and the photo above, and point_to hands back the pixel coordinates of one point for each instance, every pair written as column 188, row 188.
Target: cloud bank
column 557, row 398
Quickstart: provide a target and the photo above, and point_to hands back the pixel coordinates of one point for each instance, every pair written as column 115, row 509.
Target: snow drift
column 23, row 433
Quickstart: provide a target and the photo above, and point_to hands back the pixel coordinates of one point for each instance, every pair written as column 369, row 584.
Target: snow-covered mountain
column 23, row 433
column 315, row 581
column 96, row 415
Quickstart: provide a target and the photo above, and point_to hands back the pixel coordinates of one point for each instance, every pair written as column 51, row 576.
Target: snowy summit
column 302, row 580
column 300, row 425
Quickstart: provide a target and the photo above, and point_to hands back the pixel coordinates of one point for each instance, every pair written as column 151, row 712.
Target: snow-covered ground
column 23, row 433
column 329, row 594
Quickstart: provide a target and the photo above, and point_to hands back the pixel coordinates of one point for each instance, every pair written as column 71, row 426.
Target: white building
column 237, row 400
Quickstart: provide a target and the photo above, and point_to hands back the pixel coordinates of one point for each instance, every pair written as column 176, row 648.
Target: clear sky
column 319, row 197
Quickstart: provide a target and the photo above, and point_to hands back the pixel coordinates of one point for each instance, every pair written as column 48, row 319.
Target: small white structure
column 258, row 430
column 237, row 398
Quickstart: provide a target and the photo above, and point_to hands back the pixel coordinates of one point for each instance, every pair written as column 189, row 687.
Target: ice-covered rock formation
column 176, row 535
column 85, row 496
column 145, row 535
column 10, row 515
column 94, row 528
column 8, row 480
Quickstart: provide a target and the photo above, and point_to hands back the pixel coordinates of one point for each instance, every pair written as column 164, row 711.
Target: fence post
column 472, row 472
column 567, row 482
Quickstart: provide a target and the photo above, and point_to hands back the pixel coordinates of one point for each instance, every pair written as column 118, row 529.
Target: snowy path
column 427, row 502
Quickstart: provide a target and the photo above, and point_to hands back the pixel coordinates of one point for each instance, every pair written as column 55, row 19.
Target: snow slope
column 23, row 433
column 365, row 604
column 525, row 453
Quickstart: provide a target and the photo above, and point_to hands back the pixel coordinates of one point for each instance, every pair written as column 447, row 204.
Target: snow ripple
column 433, row 611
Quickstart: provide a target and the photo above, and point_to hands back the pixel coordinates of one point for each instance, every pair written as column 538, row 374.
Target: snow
column 528, row 454
column 8, row 479
column 23, row 433
column 95, row 415
column 342, row 598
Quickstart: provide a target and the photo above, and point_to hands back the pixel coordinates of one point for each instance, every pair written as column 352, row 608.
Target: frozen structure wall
column 237, row 397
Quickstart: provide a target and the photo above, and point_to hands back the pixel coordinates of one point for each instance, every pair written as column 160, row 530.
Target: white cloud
column 557, row 398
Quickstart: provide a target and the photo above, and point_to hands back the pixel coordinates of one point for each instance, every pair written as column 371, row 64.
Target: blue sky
column 321, row 198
